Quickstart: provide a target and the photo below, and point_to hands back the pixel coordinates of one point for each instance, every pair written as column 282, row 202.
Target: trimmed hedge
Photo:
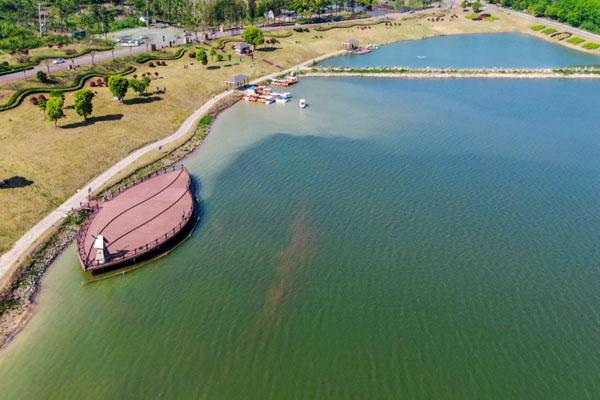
column 591, row 46
column 39, row 59
column 220, row 43
column 143, row 58
column 279, row 36
column 78, row 83
column 18, row 69
column 327, row 28
column 576, row 40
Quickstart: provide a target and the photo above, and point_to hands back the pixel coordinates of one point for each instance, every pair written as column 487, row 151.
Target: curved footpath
column 27, row 243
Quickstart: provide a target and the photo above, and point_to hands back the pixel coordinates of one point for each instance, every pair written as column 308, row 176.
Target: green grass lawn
column 538, row 27
column 549, row 31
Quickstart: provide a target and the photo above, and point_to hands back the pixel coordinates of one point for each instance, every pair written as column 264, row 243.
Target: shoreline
column 35, row 251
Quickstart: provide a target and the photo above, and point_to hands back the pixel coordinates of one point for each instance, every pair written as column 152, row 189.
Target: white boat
column 302, row 103
column 281, row 100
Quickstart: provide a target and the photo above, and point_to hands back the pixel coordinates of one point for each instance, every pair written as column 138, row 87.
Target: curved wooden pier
column 138, row 221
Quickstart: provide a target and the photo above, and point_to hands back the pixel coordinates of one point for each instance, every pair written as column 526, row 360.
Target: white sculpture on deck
column 101, row 250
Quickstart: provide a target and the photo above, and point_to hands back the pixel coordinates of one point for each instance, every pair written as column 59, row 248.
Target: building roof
column 241, row 45
column 351, row 41
column 238, row 79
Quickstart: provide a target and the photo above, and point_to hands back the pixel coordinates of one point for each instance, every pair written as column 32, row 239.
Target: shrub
column 83, row 103
column 118, row 86
column 254, row 36
column 591, row 46
column 576, row 40
column 54, row 109
column 139, row 86
column 41, row 76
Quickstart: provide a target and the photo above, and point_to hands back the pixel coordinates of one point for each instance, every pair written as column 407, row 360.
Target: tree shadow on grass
column 268, row 49
column 142, row 100
column 213, row 67
column 15, row 182
column 93, row 120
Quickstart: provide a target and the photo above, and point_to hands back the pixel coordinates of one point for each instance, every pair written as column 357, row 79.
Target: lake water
column 422, row 239
column 503, row 50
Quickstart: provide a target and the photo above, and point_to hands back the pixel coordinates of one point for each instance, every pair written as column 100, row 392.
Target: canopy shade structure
column 237, row 81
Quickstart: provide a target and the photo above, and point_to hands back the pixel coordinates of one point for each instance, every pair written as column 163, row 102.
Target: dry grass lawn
column 59, row 160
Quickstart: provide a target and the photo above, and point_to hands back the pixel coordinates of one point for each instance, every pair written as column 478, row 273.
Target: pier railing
column 96, row 205
column 146, row 248
column 144, row 178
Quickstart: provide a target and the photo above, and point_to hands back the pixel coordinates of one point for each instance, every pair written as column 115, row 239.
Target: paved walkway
column 23, row 247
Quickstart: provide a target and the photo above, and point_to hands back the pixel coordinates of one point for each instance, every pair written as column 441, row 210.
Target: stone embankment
column 443, row 73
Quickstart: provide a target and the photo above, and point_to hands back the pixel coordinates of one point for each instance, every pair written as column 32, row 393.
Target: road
column 545, row 21
column 109, row 55
column 87, row 59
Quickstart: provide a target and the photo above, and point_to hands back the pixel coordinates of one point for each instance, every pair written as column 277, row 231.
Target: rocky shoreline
column 17, row 301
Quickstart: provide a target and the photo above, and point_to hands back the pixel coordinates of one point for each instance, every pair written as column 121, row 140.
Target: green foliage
column 14, row 37
column 538, row 27
column 465, row 4
column 476, row 7
column 205, row 121
column 83, row 102
column 591, row 46
column 118, row 86
column 576, row 40
column 125, row 23
column 348, row 26
column 139, row 86
column 202, row 56
column 78, row 82
column 280, row 35
column 143, row 58
column 54, row 109
column 254, row 36
column 41, row 76
column 57, row 93
column 578, row 13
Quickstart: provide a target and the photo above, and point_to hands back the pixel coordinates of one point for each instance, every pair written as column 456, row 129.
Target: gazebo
column 351, row 44
column 242, row 48
column 237, row 80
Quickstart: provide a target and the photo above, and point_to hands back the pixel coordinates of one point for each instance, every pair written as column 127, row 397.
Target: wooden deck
column 138, row 220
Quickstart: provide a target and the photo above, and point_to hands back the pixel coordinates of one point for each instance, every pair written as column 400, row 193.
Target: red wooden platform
column 138, row 220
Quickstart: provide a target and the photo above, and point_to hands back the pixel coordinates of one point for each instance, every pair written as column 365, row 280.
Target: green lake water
column 413, row 239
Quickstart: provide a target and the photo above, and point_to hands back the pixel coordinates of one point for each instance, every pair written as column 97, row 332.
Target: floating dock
column 139, row 221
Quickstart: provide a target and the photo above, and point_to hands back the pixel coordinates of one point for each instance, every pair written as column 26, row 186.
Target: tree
column 464, row 4
column 83, row 102
column 213, row 53
column 202, row 57
column 118, row 86
column 476, row 7
column 146, row 81
column 139, row 86
column 254, row 36
column 54, row 109
column 41, row 76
